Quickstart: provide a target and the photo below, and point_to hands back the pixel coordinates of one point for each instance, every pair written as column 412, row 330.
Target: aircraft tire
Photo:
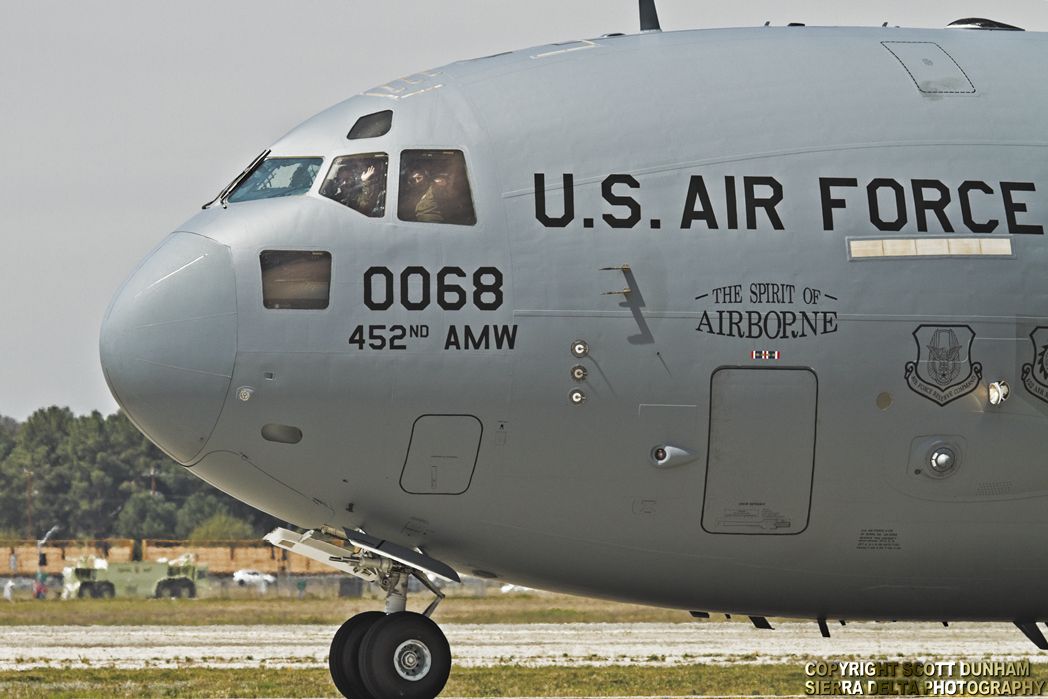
column 191, row 591
column 85, row 591
column 106, row 591
column 405, row 655
column 343, row 660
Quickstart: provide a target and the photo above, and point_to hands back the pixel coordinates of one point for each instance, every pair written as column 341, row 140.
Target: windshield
column 277, row 177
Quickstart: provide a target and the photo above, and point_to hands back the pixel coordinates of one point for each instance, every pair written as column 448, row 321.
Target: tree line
column 98, row 477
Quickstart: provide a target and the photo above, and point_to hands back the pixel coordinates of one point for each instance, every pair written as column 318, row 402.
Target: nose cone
column 168, row 342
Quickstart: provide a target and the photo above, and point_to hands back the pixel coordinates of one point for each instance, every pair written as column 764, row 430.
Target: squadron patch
column 1035, row 374
column 943, row 371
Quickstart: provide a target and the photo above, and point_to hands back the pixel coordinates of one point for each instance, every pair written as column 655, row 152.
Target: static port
column 580, row 348
column 578, row 372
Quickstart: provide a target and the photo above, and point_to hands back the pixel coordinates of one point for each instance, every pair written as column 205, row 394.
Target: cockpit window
column 295, row 279
column 277, row 177
column 372, row 125
column 359, row 182
column 434, row 188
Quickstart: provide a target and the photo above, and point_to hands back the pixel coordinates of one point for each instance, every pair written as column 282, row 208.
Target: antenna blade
column 649, row 17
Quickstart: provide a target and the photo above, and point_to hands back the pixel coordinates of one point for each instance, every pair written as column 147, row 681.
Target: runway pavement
column 479, row 645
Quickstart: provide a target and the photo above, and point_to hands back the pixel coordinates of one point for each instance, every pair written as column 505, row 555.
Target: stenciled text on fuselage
column 753, row 202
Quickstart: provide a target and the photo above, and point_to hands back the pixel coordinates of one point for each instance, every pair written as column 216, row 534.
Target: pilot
column 430, row 205
column 446, row 200
column 366, row 190
column 414, row 183
column 353, row 190
column 302, row 180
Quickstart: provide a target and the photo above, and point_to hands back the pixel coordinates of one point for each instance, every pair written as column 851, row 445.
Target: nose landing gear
column 380, row 655
column 396, row 653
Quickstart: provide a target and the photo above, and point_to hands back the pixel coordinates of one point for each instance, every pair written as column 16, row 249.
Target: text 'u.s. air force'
column 754, row 202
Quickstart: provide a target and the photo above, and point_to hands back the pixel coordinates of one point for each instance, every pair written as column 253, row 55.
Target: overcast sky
column 121, row 117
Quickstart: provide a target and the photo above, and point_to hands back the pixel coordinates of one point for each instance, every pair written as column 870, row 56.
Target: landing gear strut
column 395, row 653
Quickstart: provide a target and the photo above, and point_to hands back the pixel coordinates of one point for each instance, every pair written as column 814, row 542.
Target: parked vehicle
column 247, row 576
column 94, row 577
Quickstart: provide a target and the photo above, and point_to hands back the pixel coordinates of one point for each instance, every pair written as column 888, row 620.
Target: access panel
column 442, row 454
column 761, row 455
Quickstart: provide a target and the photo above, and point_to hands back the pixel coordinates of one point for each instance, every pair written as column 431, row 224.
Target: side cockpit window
column 434, row 188
column 277, row 177
column 299, row 279
column 359, row 182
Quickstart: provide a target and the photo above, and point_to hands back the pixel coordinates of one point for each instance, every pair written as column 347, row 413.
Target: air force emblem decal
column 944, row 370
column 1035, row 375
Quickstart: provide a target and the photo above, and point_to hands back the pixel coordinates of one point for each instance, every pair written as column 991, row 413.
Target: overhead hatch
column 930, row 68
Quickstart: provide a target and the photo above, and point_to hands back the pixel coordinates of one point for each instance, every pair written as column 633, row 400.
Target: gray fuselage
column 822, row 247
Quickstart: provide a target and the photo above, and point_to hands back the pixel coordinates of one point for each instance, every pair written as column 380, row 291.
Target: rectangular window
column 295, row 279
column 359, row 182
column 434, row 188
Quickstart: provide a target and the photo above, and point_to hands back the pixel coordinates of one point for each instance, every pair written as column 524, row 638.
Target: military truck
column 94, row 577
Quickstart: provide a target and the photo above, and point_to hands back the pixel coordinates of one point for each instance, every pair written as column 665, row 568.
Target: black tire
column 405, row 655
column 163, row 590
column 190, row 589
column 106, row 591
column 85, row 590
column 345, row 651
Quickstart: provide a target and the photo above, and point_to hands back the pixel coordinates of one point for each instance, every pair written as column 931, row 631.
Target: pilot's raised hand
column 366, row 175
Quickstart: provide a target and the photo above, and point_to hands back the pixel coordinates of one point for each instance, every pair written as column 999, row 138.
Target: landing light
column 943, row 460
column 998, row 392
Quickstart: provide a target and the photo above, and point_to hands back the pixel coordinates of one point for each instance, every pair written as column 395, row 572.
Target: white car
column 253, row 577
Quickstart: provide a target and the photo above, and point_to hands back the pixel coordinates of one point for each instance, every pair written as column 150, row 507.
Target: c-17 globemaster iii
column 750, row 321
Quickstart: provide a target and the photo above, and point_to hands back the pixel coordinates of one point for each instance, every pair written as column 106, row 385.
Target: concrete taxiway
column 479, row 645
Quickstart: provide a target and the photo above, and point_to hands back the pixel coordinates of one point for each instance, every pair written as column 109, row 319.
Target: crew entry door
column 761, row 455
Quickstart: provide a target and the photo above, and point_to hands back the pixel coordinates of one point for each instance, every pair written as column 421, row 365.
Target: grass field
column 525, row 608
column 508, row 681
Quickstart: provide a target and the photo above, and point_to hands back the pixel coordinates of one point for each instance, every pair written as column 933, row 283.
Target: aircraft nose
column 168, row 342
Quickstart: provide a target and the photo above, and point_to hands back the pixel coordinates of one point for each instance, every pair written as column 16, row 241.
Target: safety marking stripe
column 866, row 248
